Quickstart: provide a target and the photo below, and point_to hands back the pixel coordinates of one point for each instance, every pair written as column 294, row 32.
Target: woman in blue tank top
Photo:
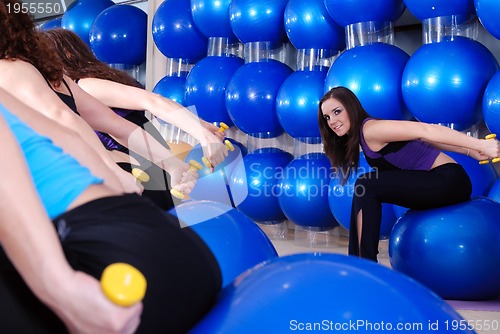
column 410, row 169
column 49, row 271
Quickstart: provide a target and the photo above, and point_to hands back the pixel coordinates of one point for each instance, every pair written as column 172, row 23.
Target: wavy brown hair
column 343, row 152
column 79, row 61
column 19, row 41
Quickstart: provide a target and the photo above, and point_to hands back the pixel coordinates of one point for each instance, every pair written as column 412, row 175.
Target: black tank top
column 69, row 100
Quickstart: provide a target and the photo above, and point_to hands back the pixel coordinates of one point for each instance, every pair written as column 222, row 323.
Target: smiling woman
column 410, row 169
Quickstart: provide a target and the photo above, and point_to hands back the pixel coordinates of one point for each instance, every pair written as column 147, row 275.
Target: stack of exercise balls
column 371, row 66
column 180, row 41
column 207, row 81
column 118, row 37
column 80, row 16
column 450, row 95
column 252, row 90
column 255, row 187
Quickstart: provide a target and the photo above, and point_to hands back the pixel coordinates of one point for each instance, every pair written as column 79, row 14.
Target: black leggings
column 444, row 185
column 183, row 277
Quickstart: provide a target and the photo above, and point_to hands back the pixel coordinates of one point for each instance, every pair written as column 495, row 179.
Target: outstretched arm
column 378, row 133
column 31, row 243
column 130, row 135
column 118, row 95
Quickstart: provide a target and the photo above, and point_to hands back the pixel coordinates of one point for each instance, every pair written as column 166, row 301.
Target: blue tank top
column 58, row 177
column 408, row 155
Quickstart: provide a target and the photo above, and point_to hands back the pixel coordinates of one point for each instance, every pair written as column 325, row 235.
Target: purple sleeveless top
column 408, row 155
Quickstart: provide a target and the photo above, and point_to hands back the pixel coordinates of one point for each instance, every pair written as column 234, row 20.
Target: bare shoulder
column 17, row 71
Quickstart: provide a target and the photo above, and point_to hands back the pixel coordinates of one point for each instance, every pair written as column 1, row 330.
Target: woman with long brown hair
column 410, row 168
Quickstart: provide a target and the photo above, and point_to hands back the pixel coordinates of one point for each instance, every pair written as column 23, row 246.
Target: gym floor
column 290, row 240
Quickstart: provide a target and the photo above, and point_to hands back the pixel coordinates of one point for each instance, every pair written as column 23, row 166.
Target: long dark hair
column 343, row 152
column 79, row 61
column 19, row 41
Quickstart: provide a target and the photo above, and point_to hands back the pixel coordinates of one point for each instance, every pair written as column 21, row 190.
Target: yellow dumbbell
column 229, row 146
column 223, row 127
column 140, row 175
column 194, row 166
column 123, row 284
column 494, row 160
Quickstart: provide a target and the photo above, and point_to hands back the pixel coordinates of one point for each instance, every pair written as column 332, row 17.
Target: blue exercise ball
column 119, row 34
column 212, row 18
column 304, row 192
column 373, row 72
column 488, row 12
column 254, row 184
column 320, row 292
column 235, row 240
column 51, row 24
column 424, row 9
column 435, row 93
column 346, row 12
column 172, row 87
column 258, row 20
column 206, row 87
column 491, row 104
column 251, row 96
column 340, row 200
column 80, row 16
column 175, row 33
column 305, row 18
column 494, row 192
column 399, row 210
column 214, row 185
column 482, row 176
column 453, row 250
column 297, row 103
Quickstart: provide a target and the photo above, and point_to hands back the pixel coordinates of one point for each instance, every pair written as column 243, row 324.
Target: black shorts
column 182, row 274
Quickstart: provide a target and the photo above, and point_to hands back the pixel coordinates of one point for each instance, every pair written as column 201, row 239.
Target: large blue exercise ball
column 488, row 12
column 214, row 185
column 80, row 16
column 305, row 18
column 175, row 33
column 212, row 18
column 491, row 104
column 235, row 240
column 251, row 96
column 172, row 87
column 258, row 20
column 373, row 72
column 304, row 192
column 451, row 93
column 453, row 250
column 319, row 292
column 494, row 192
column 340, row 199
column 482, row 176
column 119, row 35
column 425, row 9
column 206, row 87
column 297, row 103
column 254, row 184
column 346, row 12
column 51, row 24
